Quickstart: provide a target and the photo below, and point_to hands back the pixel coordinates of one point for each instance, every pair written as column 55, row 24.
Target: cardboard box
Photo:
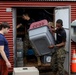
column 25, row 71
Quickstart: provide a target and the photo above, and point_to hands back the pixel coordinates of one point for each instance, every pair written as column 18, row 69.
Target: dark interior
column 37, row 14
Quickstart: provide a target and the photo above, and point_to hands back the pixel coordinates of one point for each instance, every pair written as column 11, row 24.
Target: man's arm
column 19, row 25
column 4, row 56
column 57, row 45
column 61, row 44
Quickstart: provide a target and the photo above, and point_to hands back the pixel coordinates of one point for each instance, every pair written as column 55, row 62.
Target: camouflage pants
column 58, row 61
column 28, row 44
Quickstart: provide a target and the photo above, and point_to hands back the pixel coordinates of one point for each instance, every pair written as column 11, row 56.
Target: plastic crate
column 41, row 37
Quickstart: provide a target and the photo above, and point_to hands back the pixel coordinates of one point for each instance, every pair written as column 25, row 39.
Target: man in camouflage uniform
column 58, row 56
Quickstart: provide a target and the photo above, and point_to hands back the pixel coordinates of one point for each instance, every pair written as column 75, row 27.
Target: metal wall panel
column 7, row 16
column 38, row 0
column 73, row 12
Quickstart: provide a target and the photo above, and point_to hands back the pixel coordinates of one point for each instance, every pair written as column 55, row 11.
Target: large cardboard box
column 25, row 71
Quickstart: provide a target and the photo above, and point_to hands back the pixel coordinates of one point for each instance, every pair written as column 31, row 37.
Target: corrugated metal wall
column 38, row 0
column 73, row 12
column 7, row 16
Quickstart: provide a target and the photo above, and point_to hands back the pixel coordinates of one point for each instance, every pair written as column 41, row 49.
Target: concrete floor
column 73, row 74
column 46, row 73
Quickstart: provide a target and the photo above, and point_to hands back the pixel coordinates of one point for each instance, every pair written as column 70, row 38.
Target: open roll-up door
column 64, row 14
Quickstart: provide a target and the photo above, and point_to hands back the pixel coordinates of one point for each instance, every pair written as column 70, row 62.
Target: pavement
column 45, row 73
column 73, row 74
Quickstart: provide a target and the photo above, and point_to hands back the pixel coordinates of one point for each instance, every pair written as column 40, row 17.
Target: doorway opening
column 26, row 55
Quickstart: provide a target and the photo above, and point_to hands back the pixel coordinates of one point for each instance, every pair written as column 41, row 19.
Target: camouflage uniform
column 58, row 61
column 27, row 43
column 59, row 55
